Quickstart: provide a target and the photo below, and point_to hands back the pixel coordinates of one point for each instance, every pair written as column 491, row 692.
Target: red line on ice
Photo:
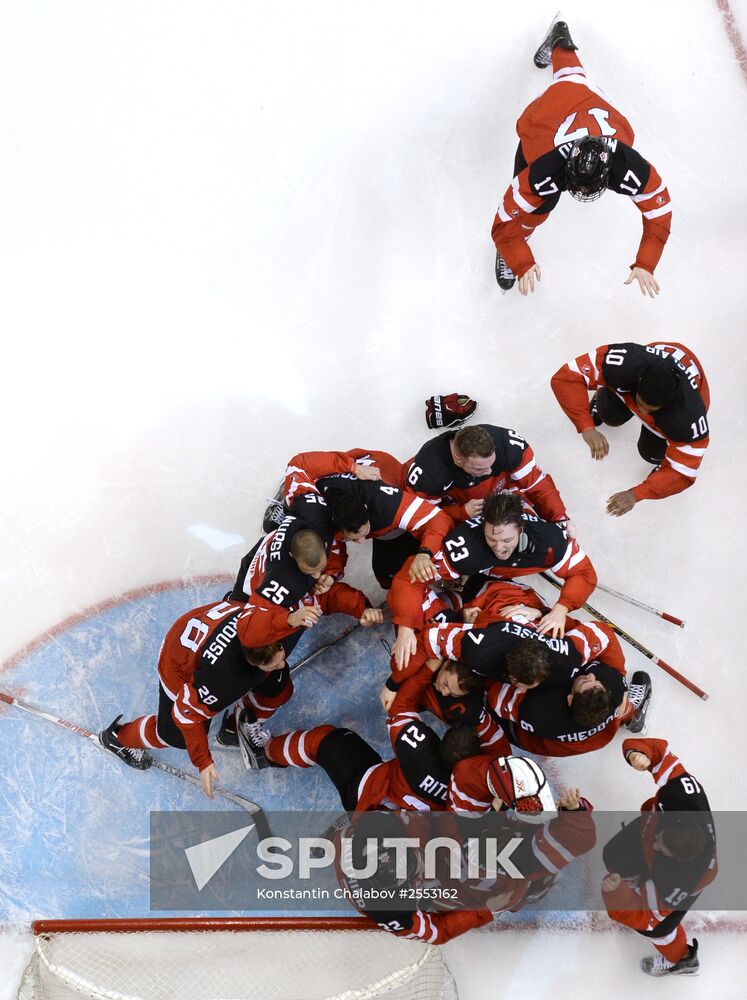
column 111, row 602
column 734, row 34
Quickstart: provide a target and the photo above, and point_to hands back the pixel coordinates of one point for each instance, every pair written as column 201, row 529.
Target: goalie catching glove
column 448, row 411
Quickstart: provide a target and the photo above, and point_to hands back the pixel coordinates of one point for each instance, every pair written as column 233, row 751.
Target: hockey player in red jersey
column 572, row 139
column 663, row 384
column 453, row 693
column 659, row 864
column 398, row 521
column 544, row 849
column 506, row 542
column 459, row 469
column 277, row 578
column 203, row 668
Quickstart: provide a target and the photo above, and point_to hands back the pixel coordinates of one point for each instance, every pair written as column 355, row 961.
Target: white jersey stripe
column 656, row 212
column 411, row 509
column 519, row 198
column 684, row 469
column 645, row 197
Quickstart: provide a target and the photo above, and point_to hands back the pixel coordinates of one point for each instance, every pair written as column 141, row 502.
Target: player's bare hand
column 305, row 617
column 473, row 508
column 366, row 472
column 611, row 882
column 469, row 615
column 620, row 503
column 570, row 799
column 638, row 760
column 386, row 697
column 646, row 281
column 422, row 568
column 527, row 280
column 405, row 646
column 207, row 776
column 554, row 622
column 323, row 584
column 371, row 616
column 521, row 611
column 597, row 442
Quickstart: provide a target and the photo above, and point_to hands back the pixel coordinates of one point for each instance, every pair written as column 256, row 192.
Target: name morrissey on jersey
column 557, row 645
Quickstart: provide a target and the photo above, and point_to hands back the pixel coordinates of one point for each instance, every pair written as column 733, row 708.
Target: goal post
column 244, row 958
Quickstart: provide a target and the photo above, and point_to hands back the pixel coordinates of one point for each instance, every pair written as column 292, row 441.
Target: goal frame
column 122, row 925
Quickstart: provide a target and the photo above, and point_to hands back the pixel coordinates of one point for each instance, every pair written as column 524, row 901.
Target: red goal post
column 245, row 958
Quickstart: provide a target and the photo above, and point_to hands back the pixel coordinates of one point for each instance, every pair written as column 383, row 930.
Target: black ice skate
column 252, row 741
column 275, row 512
column 137, row 758
column 558, row 34
column 503, row 274
column 639, row 696
column 594, row 411
column 657, row 965
column 227, row 736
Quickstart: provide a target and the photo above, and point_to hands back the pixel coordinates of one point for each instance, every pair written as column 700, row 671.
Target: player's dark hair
column 347, row 510
column 684, row 838
column 591, row 707
column 474, row 441
column 458, row 743
column 308, row 547
column 260, row 656
column 468, row 680
column 528, row 662
column 502, row 508
column 657, row 385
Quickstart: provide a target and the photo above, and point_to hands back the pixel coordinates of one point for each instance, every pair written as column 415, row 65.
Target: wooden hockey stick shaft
column 636, row 645
column 250, row 807
column 640, row 604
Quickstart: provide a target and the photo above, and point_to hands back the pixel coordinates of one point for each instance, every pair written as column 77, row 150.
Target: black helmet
column 587, row 169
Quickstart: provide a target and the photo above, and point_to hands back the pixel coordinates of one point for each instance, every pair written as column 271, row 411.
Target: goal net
column 248, row 959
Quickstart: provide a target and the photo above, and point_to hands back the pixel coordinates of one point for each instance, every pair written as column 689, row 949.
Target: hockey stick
column 251, row 807
column 640, row 604
column 635, row 644
column 328, row 645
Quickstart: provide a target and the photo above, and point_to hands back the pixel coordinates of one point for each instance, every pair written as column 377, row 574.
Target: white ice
column 232, row 232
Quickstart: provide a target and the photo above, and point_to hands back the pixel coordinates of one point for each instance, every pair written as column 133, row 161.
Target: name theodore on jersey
column 576, row 737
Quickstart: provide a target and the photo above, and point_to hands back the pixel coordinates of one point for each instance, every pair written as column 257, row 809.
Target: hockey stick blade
column 641, row 604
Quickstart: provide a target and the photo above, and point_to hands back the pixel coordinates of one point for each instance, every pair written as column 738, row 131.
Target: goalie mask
column 587, row 169
column 520, row 784
column 448, row 411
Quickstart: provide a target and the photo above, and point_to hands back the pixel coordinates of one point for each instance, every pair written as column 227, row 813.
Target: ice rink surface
column 231, row 233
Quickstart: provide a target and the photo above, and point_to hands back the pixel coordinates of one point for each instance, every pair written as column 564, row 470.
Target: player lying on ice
column 543, row 850
column 418, row 778
column 572, row 139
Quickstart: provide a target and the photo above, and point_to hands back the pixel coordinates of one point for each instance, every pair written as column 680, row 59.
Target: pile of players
column 453, row 532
